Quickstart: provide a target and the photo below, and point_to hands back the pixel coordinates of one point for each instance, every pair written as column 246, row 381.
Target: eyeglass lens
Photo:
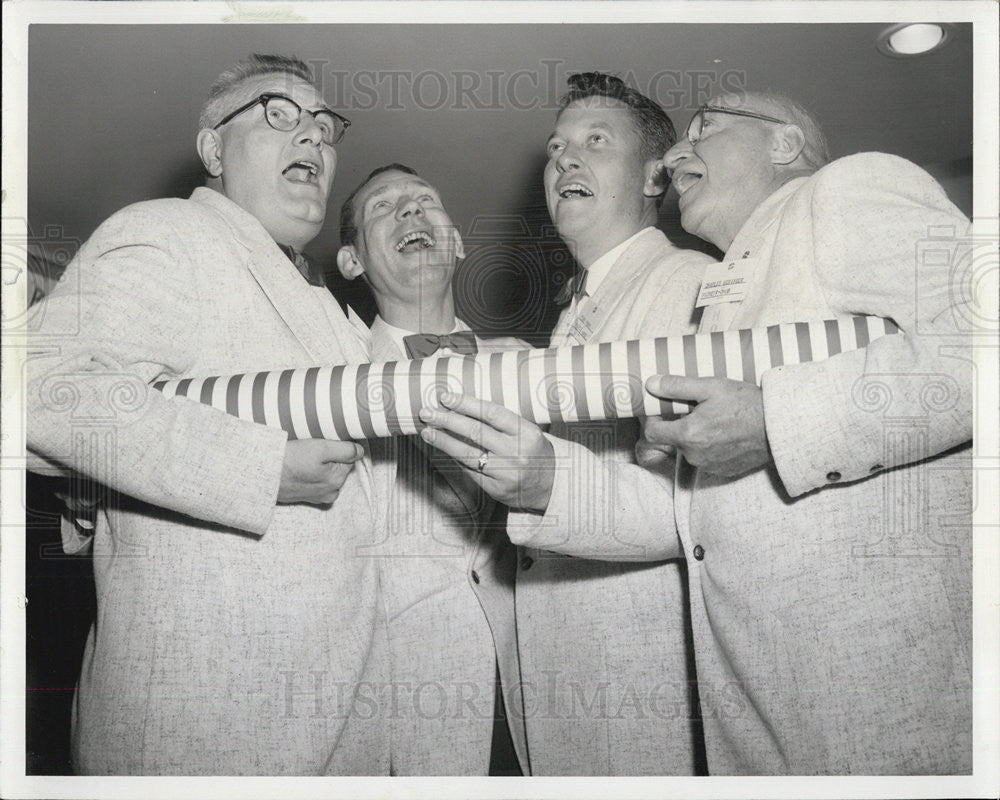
column 694, row 126
column 283, row 114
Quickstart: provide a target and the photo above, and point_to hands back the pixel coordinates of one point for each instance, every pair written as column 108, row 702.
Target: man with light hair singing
column 605, row 648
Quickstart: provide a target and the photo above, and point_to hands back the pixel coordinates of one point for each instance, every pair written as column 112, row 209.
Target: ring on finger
column 484, row 459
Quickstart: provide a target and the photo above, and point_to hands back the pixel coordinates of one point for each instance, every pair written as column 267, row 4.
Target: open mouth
column 685, row 180
column 574, row 190
column 303, row 171
column 415, row 240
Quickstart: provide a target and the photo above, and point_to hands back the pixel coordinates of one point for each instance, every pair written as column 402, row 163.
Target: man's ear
column 210, row 151
column 348, row 262
column 459, row 246
column 787, row 145
column 657, row 180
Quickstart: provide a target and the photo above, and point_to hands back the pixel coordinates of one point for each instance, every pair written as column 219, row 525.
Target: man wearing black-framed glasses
column 273, row 154
column 230, row 594
column 284, row 114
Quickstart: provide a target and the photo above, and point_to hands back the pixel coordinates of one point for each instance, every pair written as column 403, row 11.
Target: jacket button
column 833, row 476
column 699, row 552
column 526, row 562
column 876, row 468
column 475, row 576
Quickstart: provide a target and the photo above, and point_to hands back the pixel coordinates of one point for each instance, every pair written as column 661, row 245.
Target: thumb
column 649, row 455
column 342, row 452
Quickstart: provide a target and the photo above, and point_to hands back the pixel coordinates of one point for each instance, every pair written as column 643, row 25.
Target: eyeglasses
column 283, row 114
column 698, row 120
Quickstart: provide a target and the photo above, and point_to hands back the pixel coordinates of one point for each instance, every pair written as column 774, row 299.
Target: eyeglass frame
column 264, row 98
column 735, row 112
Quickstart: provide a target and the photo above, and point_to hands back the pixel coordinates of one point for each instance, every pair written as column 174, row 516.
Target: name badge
column 726, row 282
column 583, row 327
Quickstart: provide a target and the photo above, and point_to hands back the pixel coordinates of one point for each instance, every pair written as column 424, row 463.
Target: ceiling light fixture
column 913, row 39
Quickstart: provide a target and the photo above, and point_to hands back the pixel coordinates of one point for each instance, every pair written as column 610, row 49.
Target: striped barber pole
column 565, row 384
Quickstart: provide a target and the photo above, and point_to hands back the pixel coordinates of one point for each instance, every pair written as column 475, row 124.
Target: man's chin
column 307, row 210
column 571, row 220
column 295, row 230
column 697, row 225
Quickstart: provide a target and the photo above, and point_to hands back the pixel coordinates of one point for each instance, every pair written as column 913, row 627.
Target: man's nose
column 409, row 207
column 568, row 160
column 309, row 131
column 676, row 155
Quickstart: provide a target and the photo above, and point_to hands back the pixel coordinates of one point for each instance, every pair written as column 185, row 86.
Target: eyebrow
column 322, row 107
column 593, row 126
column 386, row 188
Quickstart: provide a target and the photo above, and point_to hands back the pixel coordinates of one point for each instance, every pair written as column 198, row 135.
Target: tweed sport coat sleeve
column 638, row 520
column 885, row 241
column 606, row 509
column 128, row 312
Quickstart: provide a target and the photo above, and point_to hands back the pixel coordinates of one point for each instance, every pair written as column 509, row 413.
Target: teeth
column 576, row 189
column 308, row 165
column 425, row 239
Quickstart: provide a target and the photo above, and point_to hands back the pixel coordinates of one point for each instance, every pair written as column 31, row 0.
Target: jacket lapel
column 314, row 319
column 626, row 270
column 383, row 346
column 309, row 315
column 613, row 289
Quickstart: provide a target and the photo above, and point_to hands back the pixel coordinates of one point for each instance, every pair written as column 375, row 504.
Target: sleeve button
column 833, row 476
column 699, row 552
column 526, row 562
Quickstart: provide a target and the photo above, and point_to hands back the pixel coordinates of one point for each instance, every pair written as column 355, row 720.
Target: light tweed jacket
column 448, row 584
column 831, row 591
column 605, row 647
column 232, row 635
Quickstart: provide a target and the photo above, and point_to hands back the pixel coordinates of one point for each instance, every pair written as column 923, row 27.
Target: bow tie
column 421, row 345
column 574, row 287
column 303, row 265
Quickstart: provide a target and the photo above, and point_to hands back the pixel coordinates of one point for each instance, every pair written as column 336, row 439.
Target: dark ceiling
column 113, row 110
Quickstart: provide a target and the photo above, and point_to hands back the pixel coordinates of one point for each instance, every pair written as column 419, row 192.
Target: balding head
column 738, row 150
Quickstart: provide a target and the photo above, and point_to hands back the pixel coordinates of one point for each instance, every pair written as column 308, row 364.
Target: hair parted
column 348, row 225
column 656, row 131
column 220, row 96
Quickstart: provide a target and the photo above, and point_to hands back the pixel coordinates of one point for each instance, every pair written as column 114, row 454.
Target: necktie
column 574, row 287
column 305, row 267
column 421, row 345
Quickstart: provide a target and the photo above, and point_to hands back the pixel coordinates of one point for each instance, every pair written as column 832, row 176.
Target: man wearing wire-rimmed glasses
column 825, row 513
column 236, row 626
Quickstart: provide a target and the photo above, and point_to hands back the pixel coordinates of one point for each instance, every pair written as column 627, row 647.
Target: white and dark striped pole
column 567, row 384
